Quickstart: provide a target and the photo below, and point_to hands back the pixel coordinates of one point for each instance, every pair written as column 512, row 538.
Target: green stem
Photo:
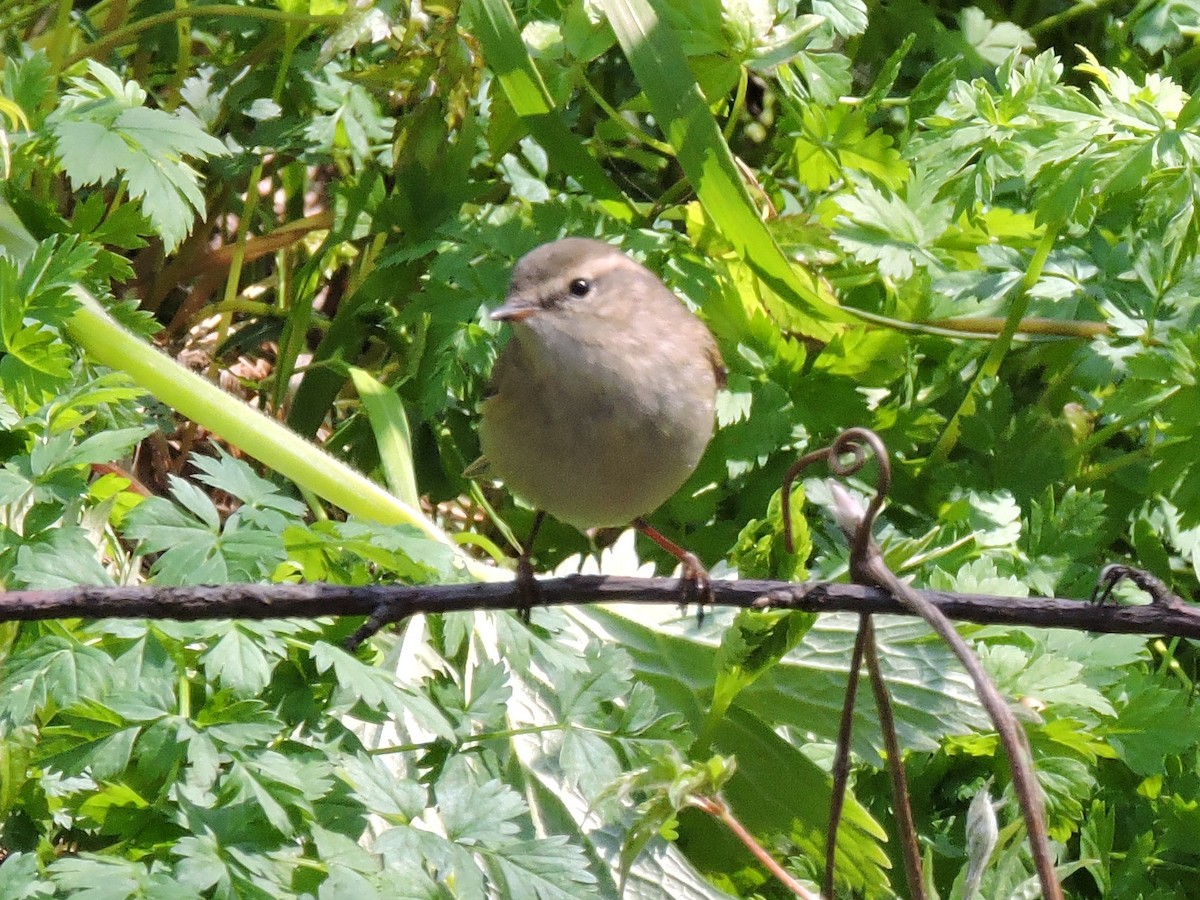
column 58, row 47
column 183, row 34
column 129, row 34
column 1170, row 663
column 1101, row 472
column 999, row 348
column 628, row 127
column 1069, row 15
column 1012, row 322
column 738, row 101
column 259, row 436
column 476, row 739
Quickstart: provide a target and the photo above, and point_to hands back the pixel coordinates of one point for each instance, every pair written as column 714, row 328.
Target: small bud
column 982, row 834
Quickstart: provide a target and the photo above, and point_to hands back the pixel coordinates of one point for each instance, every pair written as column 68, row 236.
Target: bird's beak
column 512, row 311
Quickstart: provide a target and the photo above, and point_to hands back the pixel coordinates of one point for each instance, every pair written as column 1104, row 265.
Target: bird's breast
column 597, row 433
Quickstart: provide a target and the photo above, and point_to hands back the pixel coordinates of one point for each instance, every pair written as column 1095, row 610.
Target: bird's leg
column 694, row 577
column 529, row 592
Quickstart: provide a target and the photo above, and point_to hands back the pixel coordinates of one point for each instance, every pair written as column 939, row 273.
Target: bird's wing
column 477, row 469
column 714, row 357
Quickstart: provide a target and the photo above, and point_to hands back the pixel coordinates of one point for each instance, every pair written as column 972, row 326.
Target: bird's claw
column 529, row 592
column 695, row 585
column 1114, row 573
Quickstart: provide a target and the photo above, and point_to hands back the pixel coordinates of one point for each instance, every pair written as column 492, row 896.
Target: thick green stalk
column 274, row 445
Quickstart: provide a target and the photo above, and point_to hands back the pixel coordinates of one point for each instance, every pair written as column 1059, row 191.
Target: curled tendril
column 845, row 456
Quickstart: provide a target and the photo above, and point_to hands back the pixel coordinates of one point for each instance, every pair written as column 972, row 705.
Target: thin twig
column 1016, row 745
column 909, row 847
column 841, row 759
column 868, row 567
column 857, row 524
column 1114, row 573
column 717, row 807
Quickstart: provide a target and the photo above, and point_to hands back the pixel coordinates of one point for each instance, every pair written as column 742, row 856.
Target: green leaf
column 1137, row 735
column 352, row 124
column 834, row 144
column 238, row 661
column 654, row 53
column 392, row 434
column 546, row 869
column 358, row 682
column 51, row 670
column 846, row 17
column 898, row 236
column 477, row 815
column 763, row 799
column 21, row 878
column 495, row 27
column 90, row 876
column 35, row 303
column 993, row 41
column 396, row 799
column 106, row 446
column 195, row 546
column 932, row 696
column 102, row 131
column 264, row 503
column 61, row 557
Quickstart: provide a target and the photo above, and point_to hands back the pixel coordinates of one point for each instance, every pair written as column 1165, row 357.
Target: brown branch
column 845, row 456
column 273, row 601
column 906, row 827
column 716, row 806
column 841, row 757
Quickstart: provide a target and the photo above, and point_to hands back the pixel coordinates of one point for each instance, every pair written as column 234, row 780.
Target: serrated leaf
column 382, row 791
column 101, row 130
column 358, row 682
column 238, row 662
column 547, row 869
column 477, row 814
column 51, row 670
column 882, row 228
column 61, row 557
column 106, row 446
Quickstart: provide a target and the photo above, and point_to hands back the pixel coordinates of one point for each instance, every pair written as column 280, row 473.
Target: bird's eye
column 580, row 287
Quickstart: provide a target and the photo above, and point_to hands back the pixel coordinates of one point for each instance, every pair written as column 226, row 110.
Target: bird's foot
column 529, row 592
column 695, row 585
column 1114, row 573
column 694, row 581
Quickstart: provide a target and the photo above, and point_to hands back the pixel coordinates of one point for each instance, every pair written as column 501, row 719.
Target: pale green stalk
column 274, row 445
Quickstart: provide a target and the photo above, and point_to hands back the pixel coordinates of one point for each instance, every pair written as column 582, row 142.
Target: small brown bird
column 603, row 401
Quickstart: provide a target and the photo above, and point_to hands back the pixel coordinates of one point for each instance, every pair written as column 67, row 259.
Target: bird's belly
column 589, row 461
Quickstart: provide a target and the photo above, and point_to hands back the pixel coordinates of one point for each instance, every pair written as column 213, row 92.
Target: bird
column 603, row 400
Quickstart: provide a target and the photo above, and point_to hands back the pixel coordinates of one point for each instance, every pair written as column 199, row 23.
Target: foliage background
column 971, row 228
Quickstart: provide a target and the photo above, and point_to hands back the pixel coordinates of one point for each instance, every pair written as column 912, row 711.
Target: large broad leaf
column 392, row 433
column 782, row 792
column 778, row 789
column 932, row 696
